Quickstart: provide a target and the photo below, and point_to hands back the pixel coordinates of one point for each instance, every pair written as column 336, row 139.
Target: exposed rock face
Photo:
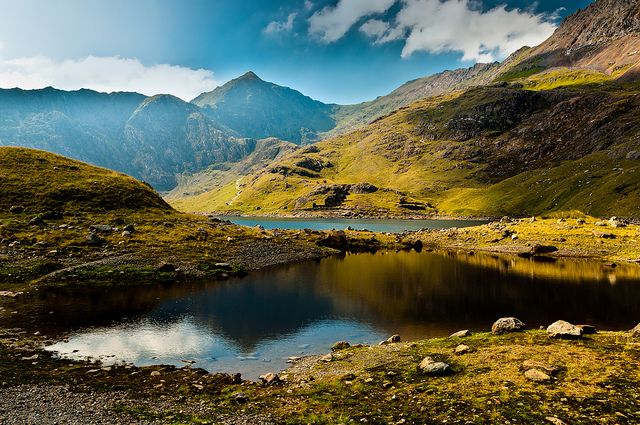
column 601, row 22
column 564, row 330
column 507, row 324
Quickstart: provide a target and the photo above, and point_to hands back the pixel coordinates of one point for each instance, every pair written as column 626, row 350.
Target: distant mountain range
column 554, row 127
column 215, row 149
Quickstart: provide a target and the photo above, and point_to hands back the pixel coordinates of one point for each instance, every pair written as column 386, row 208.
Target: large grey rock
column 100, row 228
column 635, row 332
column 507, row 324
column 564, row 330
column 430, row 367
column 393, row 339
column 270, row 379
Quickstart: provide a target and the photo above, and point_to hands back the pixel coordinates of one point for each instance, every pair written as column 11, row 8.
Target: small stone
column 394, row 339
column 580, row 221
column 270, row 379
column 94, row 240
column 16, row 209
column 326, row 358
column 198, row 386
column 461, row 334
column 129, row 228
column 240, row 397
column 600, row 224
column 155, row 373
column 507, row 324
column 604, row 235
column 564, row 330
column 126, row 234
column 555, row 421
column 543, row 249
column 100, row 228
column 340, row 345
column 432, row 368
column 462, row 349
column 537, row 376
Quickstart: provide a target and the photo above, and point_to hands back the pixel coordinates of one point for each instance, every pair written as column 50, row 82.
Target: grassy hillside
column 40, row 181
column 553, row 141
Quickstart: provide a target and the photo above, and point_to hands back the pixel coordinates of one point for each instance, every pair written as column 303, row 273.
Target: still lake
column 374, row 225
column 252, row 325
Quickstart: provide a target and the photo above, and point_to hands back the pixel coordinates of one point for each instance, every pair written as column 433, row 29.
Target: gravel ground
column 58, row 405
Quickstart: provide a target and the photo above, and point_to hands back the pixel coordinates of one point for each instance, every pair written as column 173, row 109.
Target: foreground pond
column 253, row 325
column 375, row 225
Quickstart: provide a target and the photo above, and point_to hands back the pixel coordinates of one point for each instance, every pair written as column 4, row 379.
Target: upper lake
column 374, row 225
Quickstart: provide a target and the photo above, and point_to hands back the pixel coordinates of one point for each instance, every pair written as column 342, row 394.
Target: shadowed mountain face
column 259, row 109
column 152, row 139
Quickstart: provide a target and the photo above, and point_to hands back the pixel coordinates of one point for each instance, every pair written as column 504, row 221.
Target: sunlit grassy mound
column 39, row 182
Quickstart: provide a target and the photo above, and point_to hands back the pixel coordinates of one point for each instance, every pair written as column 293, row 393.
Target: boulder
column 600, row 224
column 430, row 367
column 337, row 240
column 536, row 375
column 16, row 209
column 604, row 235
column 555, row 421
column 507, row 324
column 635, row 332
column 340, row 345
column 326, row 358
column 129, row 228
column 615, row 222
column 126, row 234
column 564, row 330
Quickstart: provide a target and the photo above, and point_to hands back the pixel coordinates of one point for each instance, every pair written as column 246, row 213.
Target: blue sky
column 341, row 51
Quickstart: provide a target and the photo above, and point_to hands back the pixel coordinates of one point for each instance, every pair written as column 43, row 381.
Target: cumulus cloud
column 375, row 29
column 284, row 26
column 105, row 74
column 330, row 24
column 437, row 26
column 454, row 25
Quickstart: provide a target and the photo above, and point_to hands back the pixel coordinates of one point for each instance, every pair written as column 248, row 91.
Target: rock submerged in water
column 564, row 330
column 507, row 325
column 430, row 367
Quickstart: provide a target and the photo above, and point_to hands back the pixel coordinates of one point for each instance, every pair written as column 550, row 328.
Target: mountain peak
column 250, row 75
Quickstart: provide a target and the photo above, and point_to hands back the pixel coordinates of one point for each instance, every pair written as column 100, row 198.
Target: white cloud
column 375, row 28
column 308, row 4
column 332, row 23
column 105, row 74
column 437, row 26
column 285, row 26
column 455, row 25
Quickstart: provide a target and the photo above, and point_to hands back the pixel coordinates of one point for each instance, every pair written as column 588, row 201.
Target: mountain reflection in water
column 252, row 325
